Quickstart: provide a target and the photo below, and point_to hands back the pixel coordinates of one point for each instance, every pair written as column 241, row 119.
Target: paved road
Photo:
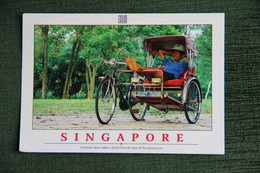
column 122, row 121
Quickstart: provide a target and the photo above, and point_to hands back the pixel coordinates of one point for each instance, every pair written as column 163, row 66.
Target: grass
column 63, row 106
column 206, row 106
column 52, row 107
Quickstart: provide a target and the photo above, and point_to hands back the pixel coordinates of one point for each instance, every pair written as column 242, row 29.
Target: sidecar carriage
column 182, row 94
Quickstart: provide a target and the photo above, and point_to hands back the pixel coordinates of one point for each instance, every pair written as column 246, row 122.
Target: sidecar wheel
column 193, row 102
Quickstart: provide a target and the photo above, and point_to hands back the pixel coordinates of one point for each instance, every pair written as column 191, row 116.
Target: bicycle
column 108, row 90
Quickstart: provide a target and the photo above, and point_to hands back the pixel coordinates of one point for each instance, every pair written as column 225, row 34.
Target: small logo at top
column 122, row 18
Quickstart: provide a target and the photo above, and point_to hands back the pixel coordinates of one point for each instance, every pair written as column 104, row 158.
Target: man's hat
column 178, row 47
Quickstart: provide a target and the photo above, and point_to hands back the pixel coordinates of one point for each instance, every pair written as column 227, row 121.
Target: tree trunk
column 206, row 96
column 73, row 60
column 69, row 71
column 90, row 74
column 45, row 30
column 72, row 70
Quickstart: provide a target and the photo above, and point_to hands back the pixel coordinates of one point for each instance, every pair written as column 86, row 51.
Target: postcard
column 123, row 83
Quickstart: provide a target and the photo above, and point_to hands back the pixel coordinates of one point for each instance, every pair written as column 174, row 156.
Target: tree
column 204, row 46
column 73, row 59
column 90, row 74
column 117, row 42
column 47, row 50
column 44, row 29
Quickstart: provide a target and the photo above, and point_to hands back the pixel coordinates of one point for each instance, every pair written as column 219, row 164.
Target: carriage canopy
column 167, row 42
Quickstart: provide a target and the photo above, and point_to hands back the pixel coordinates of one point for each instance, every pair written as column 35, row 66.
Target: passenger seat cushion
column 174, row 82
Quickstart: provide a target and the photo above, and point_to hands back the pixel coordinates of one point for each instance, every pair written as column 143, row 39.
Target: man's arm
column 186, row 60
column 162, row 53
column 153, row 52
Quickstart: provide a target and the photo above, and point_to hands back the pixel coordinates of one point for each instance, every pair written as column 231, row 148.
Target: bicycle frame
column 113, row 78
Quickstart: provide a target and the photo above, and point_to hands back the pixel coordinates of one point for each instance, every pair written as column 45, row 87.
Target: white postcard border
column 182, row 142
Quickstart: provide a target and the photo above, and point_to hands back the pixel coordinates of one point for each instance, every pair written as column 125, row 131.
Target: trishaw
column 143, row 90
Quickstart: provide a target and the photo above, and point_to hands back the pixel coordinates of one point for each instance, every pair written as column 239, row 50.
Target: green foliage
column 204, row 46
column 57, row 76
column 60, row 44
column 101, row 42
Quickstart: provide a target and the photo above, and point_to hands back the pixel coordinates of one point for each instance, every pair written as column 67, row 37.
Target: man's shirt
column 174, row 67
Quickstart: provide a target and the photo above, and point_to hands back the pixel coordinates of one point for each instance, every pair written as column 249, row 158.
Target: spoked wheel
column 105, row 101
column 193, row 102
column 137, row 108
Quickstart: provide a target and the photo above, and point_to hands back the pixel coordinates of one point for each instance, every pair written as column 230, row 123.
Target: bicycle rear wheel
column 137, row 108
column 105, row 101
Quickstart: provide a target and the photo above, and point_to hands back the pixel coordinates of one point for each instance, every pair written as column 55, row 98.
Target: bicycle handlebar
column 121, row 63
column 113, row 62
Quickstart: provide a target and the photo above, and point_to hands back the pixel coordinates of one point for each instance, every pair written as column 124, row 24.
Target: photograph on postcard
column 138, row 77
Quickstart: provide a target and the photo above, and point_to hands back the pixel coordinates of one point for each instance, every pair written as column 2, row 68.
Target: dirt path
column 122, row 121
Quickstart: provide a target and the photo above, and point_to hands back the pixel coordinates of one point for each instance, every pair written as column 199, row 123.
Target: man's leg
column 167, row 76
column 130, row 61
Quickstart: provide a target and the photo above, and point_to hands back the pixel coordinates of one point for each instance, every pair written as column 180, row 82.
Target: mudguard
column 186, row 86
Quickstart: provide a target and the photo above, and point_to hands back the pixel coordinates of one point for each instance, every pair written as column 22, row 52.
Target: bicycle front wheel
column 105, row 101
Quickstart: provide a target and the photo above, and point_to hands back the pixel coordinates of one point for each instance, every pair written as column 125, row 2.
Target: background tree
column 41, row 56
column 101, row 42
column 204, row 46
column 90, row 74
column 73, row 59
